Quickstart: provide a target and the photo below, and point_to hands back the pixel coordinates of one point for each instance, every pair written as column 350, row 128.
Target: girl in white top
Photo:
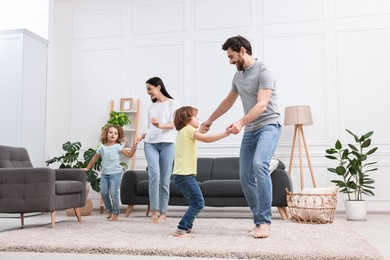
column 159, row 146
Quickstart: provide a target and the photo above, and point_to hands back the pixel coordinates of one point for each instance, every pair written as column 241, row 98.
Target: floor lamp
column 299, row 116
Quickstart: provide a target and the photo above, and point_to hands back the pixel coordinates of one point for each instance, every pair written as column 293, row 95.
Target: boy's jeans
column 188, row 185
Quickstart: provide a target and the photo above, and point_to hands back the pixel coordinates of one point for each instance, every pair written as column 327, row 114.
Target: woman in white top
column 159, row 146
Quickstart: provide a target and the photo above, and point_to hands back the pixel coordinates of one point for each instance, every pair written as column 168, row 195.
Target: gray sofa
column 25, row 189
column 219, row 181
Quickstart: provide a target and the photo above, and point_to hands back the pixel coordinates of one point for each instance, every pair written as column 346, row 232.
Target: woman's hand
column 155, row 122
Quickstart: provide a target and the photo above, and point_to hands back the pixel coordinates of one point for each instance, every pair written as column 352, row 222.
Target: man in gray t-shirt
column 255, row 85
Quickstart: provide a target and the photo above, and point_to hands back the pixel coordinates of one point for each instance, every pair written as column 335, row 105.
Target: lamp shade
column 298, row 115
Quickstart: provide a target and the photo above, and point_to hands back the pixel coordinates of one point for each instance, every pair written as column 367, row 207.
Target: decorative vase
column 87, row 209
column 356, row 209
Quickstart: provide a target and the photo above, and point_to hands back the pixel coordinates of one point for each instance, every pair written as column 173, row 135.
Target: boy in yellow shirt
column 184, row 171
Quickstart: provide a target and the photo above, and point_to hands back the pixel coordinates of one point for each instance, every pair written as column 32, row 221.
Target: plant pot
column 87, row 209
column 356, row 209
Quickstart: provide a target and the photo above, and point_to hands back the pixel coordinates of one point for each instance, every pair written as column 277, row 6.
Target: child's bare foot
column 263, row 231
column 114, row 218
column 181, row 233
column 109, row 215
column 162, row 217
column 154, row 217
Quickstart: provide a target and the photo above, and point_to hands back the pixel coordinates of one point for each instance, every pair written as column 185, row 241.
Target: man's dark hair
column 235, row 43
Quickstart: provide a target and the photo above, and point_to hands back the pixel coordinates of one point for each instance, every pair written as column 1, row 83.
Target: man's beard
column 240, row 65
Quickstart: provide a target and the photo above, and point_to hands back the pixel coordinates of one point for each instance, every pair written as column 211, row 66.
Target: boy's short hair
column 183, row 116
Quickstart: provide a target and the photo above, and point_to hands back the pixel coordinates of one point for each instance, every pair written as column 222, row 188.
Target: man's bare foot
column 154, row 217
column 114, row 218
column 254, row 230
column 162, row 217
column 263, row 231
column 109, row 215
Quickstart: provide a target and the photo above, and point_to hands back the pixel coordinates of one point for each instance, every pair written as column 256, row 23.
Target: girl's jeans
column 256, row 151
column 188, row 185
column 109, row 186
column 159, row 157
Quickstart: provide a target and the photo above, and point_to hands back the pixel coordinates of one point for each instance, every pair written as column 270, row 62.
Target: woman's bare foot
column 114, row 218
column 109, row 215
column 263, row 231
column 154, row 217
column 162, row 217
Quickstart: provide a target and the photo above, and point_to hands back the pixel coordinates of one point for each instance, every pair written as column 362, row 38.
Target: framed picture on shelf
column 126, row 104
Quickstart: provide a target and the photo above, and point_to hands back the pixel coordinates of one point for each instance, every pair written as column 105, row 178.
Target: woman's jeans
column 256, row 151
column 188, row 185
column 159, row 157
column 109, row 186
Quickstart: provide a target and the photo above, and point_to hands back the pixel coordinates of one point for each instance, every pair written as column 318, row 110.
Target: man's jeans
column 159, row 157
column 188, row 185
column 256, row 151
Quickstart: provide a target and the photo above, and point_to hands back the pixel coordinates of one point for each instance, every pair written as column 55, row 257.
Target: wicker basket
column 312, row 208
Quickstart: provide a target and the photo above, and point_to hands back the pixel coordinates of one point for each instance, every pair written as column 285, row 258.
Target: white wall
column 29, row 14
column 331, row 55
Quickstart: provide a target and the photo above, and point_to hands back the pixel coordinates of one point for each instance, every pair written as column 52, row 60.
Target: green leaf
column 372, row 151
column 368, row 134
column 366, row 143
column 338, row 145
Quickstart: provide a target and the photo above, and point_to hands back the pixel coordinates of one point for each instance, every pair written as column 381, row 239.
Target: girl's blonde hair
column 121, row 135
column 183, row 116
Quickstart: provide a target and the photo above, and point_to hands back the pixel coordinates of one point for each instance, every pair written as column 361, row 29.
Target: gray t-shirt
column 247, row 83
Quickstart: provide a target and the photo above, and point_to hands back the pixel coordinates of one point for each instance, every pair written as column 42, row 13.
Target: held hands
column 234, row 128
column 205, row 127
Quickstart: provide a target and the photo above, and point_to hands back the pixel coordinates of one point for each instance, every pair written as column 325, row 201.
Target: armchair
column 24, row 188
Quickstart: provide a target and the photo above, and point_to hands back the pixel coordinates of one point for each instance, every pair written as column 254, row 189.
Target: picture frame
column 126, row 104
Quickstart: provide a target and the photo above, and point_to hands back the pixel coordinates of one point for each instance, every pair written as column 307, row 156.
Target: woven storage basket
column 312, row 208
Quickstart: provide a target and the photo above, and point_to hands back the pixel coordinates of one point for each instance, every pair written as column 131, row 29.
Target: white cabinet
column 23, row 70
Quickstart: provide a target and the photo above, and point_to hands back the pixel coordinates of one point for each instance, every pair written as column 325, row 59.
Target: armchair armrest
column 70, row 174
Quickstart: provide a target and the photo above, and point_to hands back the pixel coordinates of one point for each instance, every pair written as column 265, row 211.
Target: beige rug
column 212, row 237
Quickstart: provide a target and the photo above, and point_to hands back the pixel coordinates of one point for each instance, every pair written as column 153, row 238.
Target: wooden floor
column 376, row 230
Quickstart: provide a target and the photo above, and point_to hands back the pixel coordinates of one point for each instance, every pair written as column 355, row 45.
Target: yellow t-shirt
column 186, row 152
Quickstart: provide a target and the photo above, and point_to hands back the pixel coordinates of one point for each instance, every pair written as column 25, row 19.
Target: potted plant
column 70, row 159
column 353, row 169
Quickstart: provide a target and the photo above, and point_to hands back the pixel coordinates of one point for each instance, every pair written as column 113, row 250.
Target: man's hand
column 234, row 128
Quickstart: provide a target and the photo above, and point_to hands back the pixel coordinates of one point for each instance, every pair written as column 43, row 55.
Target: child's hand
column 228, row 131
column 85, row 169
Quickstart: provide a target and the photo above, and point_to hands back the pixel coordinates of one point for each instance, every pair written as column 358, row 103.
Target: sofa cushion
column 226, row 169
column 204, row 167
column 222, row 188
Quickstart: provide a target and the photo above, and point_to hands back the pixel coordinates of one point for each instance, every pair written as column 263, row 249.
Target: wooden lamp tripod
column 299, row 116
